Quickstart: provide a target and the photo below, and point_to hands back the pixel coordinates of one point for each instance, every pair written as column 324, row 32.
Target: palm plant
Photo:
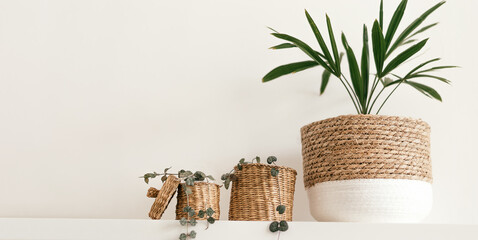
column 363, row 92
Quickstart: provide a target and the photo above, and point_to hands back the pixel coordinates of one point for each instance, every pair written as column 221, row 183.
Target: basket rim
column 202, row 183
column 266, row 166
column 370, row 116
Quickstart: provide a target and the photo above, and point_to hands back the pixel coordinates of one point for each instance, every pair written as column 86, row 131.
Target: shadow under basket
column 255, row 193
column 204, row 195
column 368, row 168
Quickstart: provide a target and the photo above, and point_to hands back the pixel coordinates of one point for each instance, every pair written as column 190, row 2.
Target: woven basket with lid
column 204, row 195
column 255, row 195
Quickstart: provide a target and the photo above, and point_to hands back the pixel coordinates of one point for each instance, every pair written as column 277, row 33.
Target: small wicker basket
column 255, row 195
column 366, row 147
column 204, row 195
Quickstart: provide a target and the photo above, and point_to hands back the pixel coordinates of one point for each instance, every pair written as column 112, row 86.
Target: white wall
column 95, row 93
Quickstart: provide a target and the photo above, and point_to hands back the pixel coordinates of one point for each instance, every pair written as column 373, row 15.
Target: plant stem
column 351, row 89
column 346, row 88
column 374, row 86
column 388, row 97
column 376, row 98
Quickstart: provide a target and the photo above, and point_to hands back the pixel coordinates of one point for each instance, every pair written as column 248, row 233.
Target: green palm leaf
column 320, row 40
column 423, row 29
column 436, row 68
column 397, row 17
column 305, row 48
column 287, row 69
column 365, row 62
column 325, row 80
column 402, row 57
column 430, row 76
column 326, row 76
column 334, row 46
column 420, row 66
column 426, row 90
column 412, row 27
column 283, row 45
column 381, row 14
column 354, row 71
column 378, row 46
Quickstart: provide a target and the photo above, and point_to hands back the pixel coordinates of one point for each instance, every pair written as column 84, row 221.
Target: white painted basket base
column 371, row 200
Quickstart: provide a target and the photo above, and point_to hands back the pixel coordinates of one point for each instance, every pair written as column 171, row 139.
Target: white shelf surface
column 118, row 229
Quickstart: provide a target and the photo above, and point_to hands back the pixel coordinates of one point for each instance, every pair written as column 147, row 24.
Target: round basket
column 163, row 196
column 349, row 159
column 204, row 195
column 255, row 195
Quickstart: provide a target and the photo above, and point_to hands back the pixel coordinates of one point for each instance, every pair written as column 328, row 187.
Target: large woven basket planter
column 255, row 193
column 368, row 168
column 204, row 195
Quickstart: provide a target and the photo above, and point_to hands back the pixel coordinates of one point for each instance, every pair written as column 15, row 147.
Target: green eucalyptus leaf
column 283, row 226
column 146, row 180
column 183, row 221
column 193, row 222
column 226, row 183
column 280, row 209
column 210, row 212
column 210, row 177
column 211, row 220
column 274, row 226
column 164, row 178
column 258, row 159
column 271, row 159
column 166, row 169
column 192, row 234
column 182, row 236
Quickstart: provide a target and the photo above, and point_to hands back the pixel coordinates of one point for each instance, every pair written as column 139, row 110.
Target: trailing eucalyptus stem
column 384, row 43
column 187, row 178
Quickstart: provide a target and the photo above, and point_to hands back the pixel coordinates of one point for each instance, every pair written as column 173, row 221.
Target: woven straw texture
column 366, row 147
column 255, row 195
column 204, row 196
column 163, row 196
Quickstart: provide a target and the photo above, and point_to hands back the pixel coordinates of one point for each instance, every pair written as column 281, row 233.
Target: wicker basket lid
column 163, row 196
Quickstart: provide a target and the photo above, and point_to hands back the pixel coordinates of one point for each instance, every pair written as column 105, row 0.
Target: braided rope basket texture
column 366, row 147
column 255, row 195
column 204, row 195
column 163, row 196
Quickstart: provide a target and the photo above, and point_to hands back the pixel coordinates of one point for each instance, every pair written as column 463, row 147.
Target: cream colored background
column 95, row 93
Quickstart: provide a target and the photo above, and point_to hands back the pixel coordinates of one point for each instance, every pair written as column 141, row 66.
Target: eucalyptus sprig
column 187, row 179
column 362, row 90
column 277, row 226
